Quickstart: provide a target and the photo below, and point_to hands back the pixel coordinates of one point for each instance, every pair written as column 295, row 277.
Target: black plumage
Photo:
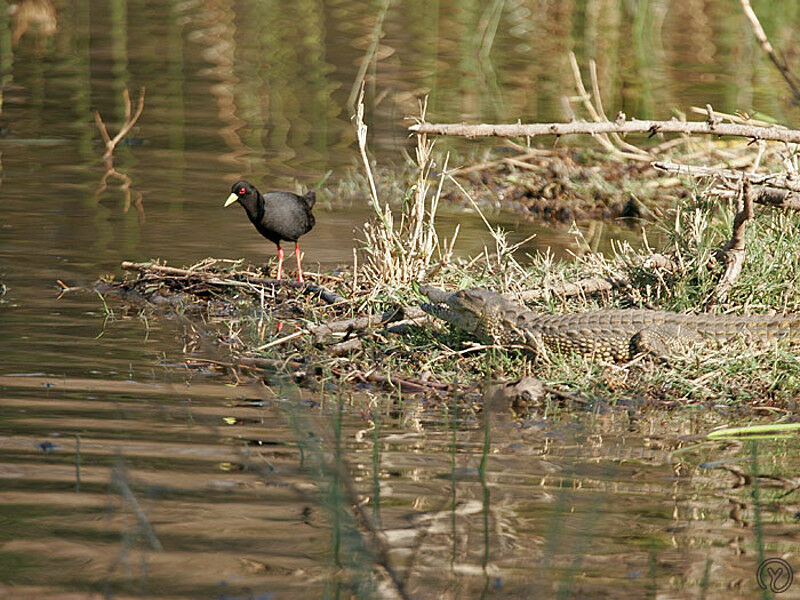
column 277, row 216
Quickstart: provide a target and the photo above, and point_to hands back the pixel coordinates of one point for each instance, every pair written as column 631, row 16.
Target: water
column 124, row 473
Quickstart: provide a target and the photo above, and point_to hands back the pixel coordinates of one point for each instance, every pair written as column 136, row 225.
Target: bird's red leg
column 280, row 261
column 299, row 268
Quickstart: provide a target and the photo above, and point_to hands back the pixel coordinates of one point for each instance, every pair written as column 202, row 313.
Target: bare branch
column 620, row 116
column 129, row 122
column 734, row 252
column 108, row 156
column 774, row 133
column 779, row 62
column 773, row 180
column 102, row 127
column 766, row 196
column 584, row 95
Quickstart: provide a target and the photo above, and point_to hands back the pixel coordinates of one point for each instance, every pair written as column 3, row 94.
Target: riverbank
column 361, row 324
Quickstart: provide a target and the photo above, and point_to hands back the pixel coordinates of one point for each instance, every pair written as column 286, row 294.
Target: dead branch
column 737, row 117
column 345, row 347
column 774, row 180
column 766, row 196
column 779, row 62
column 240, row 280
column 108, row 155
column 598, row 115
column 621, row 125
column 777, row 198
column 130, row 121
column 65, row 289
column 734, row 252
column 366, row 322
column 355, row 324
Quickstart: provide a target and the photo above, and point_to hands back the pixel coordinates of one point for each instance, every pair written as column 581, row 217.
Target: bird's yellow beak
column 231, row 199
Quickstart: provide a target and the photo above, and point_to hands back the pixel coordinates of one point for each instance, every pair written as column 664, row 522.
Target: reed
column 408, row 250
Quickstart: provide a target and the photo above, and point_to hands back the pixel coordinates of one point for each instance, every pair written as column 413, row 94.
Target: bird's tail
column 310, row 198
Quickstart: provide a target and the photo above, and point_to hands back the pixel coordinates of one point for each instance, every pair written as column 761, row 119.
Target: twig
column 779, row 62
column 734, row 252
column 638, row 152
column 774, row 133
column 345, row 347
column 583, row 94
column 66, row 289
column 355, row 324
column 111, row 143
column 279, row 341
column 775, row 180
column 259, row 362
column 108, row 155
column 741, row 118
column 598, row 115
column 405, row 385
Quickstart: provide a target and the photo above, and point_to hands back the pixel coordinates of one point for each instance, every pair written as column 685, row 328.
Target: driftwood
column 620, row 125
column 239, row 280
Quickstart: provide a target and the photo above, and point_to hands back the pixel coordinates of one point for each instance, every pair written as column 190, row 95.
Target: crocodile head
column 478, row 311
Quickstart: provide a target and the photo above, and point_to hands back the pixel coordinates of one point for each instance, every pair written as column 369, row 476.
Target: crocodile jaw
column 465, row 321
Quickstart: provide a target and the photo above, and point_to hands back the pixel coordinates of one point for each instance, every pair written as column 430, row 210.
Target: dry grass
column 399, row 254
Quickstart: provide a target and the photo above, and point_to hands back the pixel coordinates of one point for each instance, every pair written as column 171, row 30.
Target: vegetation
column 420, row 355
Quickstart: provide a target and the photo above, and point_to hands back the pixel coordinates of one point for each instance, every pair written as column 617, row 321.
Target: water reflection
column 108, row 156
column 191, row 489
column 38, row 16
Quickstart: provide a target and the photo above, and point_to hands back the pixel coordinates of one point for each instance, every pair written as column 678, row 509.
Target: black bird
column 277, row 216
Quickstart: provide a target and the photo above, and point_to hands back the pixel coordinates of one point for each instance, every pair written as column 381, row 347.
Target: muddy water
column 123, row 473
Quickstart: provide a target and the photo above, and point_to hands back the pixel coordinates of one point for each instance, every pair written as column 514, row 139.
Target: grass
column 734, row 375
column 401, row 248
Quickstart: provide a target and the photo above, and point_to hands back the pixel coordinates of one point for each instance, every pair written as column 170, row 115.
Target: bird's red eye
column 242, row 191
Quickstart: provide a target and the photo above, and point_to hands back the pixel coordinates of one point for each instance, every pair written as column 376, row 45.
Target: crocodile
column 614, row 335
